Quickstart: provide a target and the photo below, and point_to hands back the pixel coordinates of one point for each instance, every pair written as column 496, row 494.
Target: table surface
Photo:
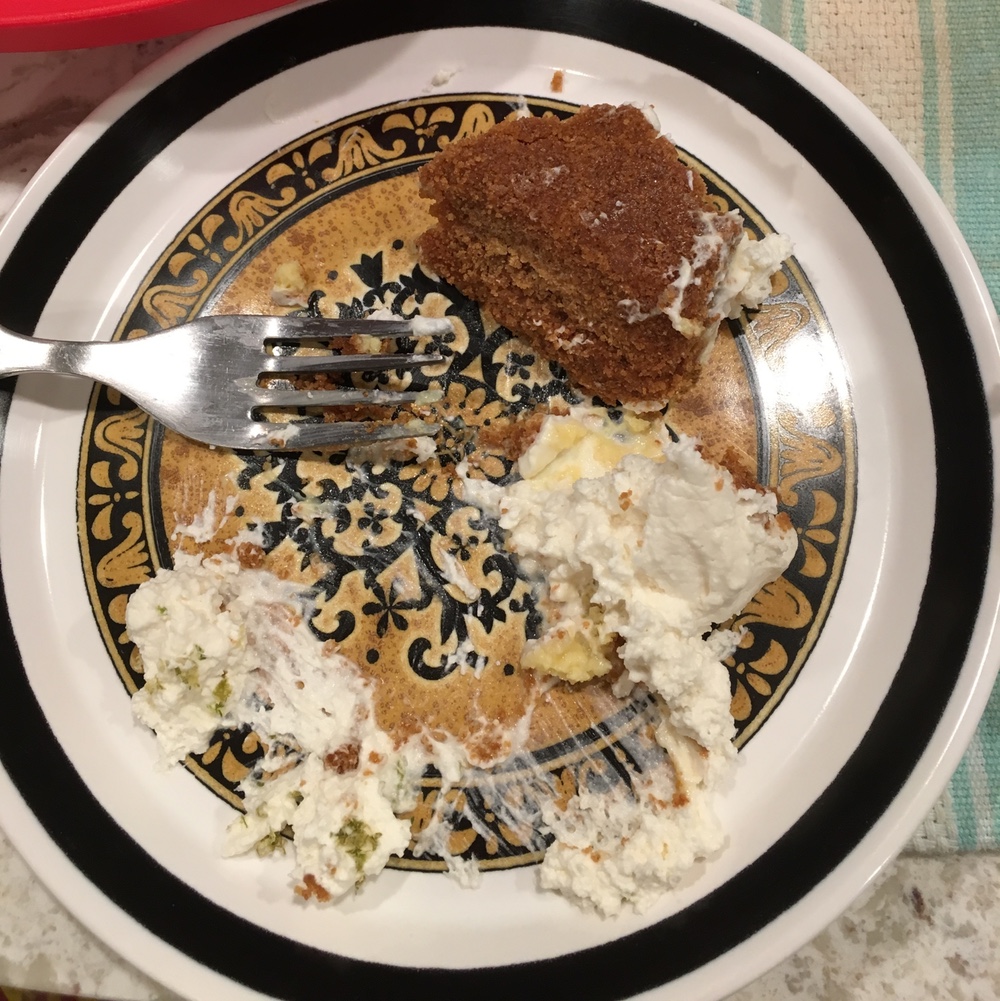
column 929, row 927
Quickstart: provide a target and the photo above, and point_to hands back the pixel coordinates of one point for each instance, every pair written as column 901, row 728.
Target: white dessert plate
column 900, row 662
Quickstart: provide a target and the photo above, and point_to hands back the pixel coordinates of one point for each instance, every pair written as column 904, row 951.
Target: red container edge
column 44, row 25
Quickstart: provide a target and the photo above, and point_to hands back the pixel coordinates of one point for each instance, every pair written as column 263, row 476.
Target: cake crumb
column 557, row 82
column 512, row 438
column 250, row 556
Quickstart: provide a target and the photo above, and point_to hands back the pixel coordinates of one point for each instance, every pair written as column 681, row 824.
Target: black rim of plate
column 863, row 790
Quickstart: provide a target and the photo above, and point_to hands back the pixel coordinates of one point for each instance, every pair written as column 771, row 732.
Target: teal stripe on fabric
column 745, row 7
column 989, row 738
column 797, row 28
column 974, row 41
column 965, row 813
column 974, row 30
column 932, row 126
column 771, row 15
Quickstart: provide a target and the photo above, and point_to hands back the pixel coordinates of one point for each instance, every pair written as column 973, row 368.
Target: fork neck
column 19, row 354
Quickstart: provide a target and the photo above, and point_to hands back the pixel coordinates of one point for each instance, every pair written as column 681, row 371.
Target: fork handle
column 20, row 354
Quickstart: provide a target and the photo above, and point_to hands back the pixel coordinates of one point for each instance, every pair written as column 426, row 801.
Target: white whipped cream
column 228, row 647
column 747, row 281
column 744, row 283
column 617, row 847
column 653, row 545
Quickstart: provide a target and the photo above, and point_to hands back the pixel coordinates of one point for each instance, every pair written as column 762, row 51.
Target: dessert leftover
column 621, row 550
column 228, row 647
column 654, row 547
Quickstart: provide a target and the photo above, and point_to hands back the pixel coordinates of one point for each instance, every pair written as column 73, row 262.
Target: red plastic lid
column 37, row 25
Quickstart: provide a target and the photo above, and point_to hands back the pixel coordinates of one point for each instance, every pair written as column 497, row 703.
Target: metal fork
column 202, row 378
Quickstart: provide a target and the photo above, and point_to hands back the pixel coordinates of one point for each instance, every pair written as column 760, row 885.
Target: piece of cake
column 593, row 241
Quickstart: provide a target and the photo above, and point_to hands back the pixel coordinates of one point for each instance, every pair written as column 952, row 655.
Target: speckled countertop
column 928, row 928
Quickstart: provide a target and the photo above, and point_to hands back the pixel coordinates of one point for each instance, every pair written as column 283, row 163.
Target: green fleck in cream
column 221, row 693
column 188, row 674
column 270, row 843
column 187, row 669
column 359, row 841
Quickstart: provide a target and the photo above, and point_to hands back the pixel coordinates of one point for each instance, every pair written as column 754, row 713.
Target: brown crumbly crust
column 344, row 759
column 744, row 479
column 514, row 437
column 739, row 468
column 556, row 227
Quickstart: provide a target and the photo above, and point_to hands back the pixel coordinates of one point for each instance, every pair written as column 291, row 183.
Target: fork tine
column 320, row 328
column 298, row 437
column 287, row 364
column 332, row 397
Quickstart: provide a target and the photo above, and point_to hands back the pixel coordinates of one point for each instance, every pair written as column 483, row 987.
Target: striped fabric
column 930, row 70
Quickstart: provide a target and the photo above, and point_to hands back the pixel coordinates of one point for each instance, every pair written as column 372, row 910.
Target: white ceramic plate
column 864, row 741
